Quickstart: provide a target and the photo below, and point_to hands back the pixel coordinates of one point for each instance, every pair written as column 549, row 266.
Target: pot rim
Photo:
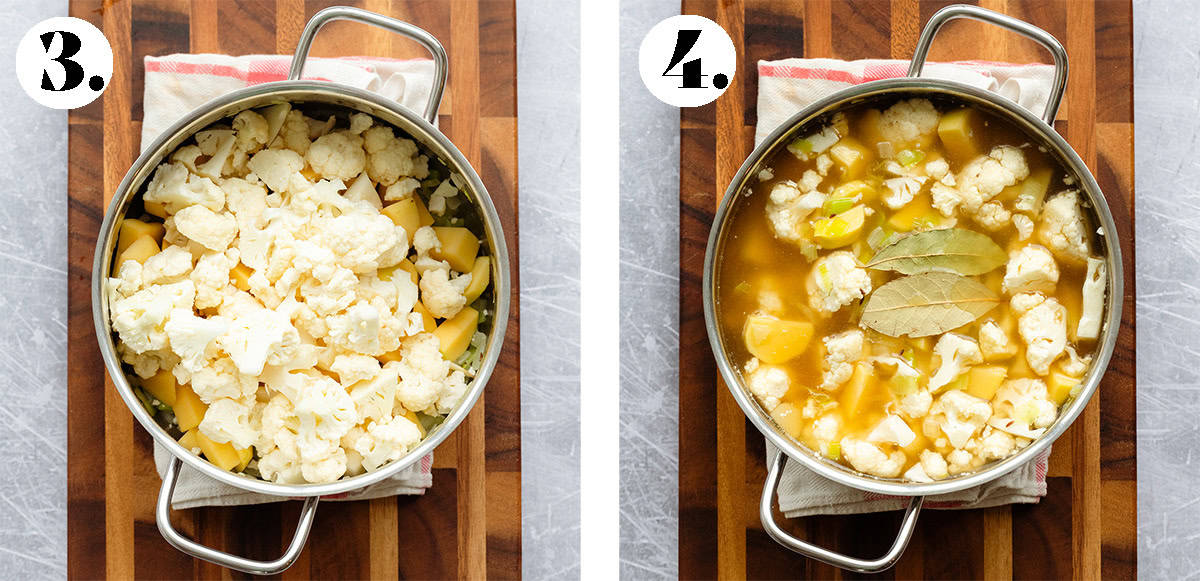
column 325, row 94
column 1016, row 114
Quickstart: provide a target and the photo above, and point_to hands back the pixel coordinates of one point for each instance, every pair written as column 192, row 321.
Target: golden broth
column 758, row 272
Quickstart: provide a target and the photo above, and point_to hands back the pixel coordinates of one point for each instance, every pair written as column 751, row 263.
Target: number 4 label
column 57, row 56
column 687, row 60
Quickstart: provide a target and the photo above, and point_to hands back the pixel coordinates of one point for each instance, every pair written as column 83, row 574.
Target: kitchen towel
column 177, row 84
column 784, row 88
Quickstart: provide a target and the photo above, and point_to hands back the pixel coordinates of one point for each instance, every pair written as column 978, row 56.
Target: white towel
column 784, row 88
column 179, row 83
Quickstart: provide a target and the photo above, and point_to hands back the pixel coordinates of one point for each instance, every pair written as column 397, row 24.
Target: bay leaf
column 925, row 304
column 951, row 250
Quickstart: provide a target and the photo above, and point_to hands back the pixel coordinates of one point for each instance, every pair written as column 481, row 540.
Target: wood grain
column 1086, row 525
column 469, row 524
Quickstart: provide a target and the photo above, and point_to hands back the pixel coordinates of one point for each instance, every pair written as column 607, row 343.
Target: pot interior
column 726, row 343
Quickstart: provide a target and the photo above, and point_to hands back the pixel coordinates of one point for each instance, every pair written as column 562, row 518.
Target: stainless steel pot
column 332, row 98
column 1043, row 134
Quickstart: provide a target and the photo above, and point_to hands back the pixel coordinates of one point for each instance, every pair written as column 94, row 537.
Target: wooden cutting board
column 1086, row 525
column 469, row 524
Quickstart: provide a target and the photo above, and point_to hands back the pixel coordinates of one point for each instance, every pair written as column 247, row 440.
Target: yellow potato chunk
column 138, row 251
column 854, row 390
column 427, row 317
column 961, row 132
column 840, row 230
column 776, row 341
column 412, row 417
column 390, row 356
column 188, row 440
column 907, row 218
column 240, row 276
column 480, row 276
column 405, row 265
column 858, row 190
column 851, row 157
column 454, row 334
column 983, row 381
column 869, row 127
column 224, row 455
column 132, row 229
column 1060, row 385
column 189, row 410
column 788, row 416
column 409, row 213
column 155, row 209
column 459, row 247
column 244, row 457
column 162, row 386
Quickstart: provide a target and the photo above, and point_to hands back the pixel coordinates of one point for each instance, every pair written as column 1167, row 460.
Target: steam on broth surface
column 911, row 289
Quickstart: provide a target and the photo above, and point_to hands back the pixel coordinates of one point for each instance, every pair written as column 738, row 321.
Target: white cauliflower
column 228, row 420
column 293, row 134
column 211, row 276
column 842, row 351
column 246, row 201
column 375, row 398
column 916, row 404
column 140, row 319
column 957, row 353
column 170, row 265
column 252, row 134
column 218, row 145
column 175, row 188
column 190, row 336
column 212, row 230
column 909, row 121
column 869, row 459
column 1063, row 228
column 934, row 465
column 276, row 167
column 357, row 239
column 962, row 461
column 1095, row 284
column 403, row 188
column 356, row 330
column 902, row 190
column 390, row 158
column 892, row 430
column 959, row 415
column 826, row 428
column 995, row 445
column 1024, row 226
column 352, row 368
column 443, row 295
column 337, row 155
column 787, row 209
column 259, row 337
column 937, row 169
column 992, row 216
column 422, row 373
column 1030, row 269
column 1044, row 330
column 218, row 378
column 362, row 189
column 386, row 442
column 1075, row 365
column 814, row 144
column 1026, row 404
column 767, row 383
column 994, row 342
column 836, row 280
column 980, row 181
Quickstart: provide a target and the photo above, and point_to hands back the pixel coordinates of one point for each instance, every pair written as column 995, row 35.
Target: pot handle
column 907, row 525
column 1047, row 40
column 162, row 514
column 440, row 62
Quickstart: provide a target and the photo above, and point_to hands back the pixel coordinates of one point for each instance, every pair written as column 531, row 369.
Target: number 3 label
column 64, row 63
column 687, row 60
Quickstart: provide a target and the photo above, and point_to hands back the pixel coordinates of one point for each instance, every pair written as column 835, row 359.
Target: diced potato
column 840, row 230
column 1033, row 191
column 776, row 341
column 138, row 251
column 390, row 356
column 1019, row 366
column 983, row 381
column 310, row 173
column 155, row 209
column 459, row 247
column 409, row 213
column 1060, row 385
column 758, row 246
column 906, row 219
column 851, row 157
column 454, row 334
column 245, row 455
column 189, row 410
column 788, row 416
column 188, row 440
column 412, row 417
column 426, row 317
column 869, row 124
column 161, row 385
column 1072, row 299
column 854, row 390
column 960, row 132
column 481, row 274
column 224, row 455
column 853, row 192
column 240, row 276
column 405, row 265
column 132, row 229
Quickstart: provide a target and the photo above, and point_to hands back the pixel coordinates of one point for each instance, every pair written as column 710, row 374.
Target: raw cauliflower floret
column 937, row 169
column 836, row 280
column 1095, row 284
column 992, row 216
column 140, row 319
column 211, row 276
column 842, row 351
column 1074, row 365
column 260, row 337
column 387, row 441
column 352, row 368
column 148, row 363
column 787, row 209
column 175, row 188
column 916, row 404
column 375, row 398
column 337, row 155
column 389, row 158
column 170, row 265
column 1063, row 228
column 218, row 378
column 957, row 352
column 1030, row 269
column 902, row 190
column 209, row 229
column 293, row 134
column 1027, row 403
column 1044, row 330
column 127, row 281
column 246, row 201
column 443, row 295
column 228, row 420
column 276, row 167
column 961, row 416
column 357, row 239
column 981, row 180
column 962, row 461
column 909, row 121
column 994, row 342
column 995, row 445
column 767, row 383
column 869, row 459
column 422, row 373
column 356, row 330
column 190, row 336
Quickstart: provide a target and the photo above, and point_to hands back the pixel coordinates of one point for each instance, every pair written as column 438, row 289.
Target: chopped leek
column 802, row 145
column 742, row 287
column 910, row 157
column 834, row 451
